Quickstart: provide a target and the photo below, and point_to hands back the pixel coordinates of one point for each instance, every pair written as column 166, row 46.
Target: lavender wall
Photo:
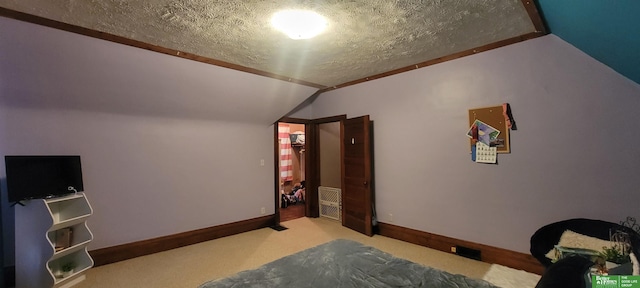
column 53, row 69
column 149, row 177
column 574, row 153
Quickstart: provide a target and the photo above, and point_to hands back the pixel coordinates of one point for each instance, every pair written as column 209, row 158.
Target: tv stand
column 43, row 224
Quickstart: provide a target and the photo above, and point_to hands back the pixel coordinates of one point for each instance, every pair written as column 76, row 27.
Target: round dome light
column 299, row 24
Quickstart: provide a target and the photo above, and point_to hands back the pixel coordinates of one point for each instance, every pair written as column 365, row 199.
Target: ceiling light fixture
column 299, row 24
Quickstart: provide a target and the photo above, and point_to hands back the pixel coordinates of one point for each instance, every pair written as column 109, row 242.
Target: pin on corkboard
column 494, row 117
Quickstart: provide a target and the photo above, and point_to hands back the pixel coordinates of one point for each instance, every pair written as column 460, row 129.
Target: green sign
column 615, row 281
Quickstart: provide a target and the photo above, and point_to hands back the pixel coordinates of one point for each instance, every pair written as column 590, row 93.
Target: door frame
column 311, row 162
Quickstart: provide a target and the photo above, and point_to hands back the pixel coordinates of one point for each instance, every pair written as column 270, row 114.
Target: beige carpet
column 506, row 277
column 193, row 265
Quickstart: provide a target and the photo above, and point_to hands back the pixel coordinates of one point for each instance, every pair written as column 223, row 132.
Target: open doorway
column 291, row 170
column 341, row 163
column 319, row 163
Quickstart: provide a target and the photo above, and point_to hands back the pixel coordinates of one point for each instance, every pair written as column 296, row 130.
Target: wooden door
column 357, row 194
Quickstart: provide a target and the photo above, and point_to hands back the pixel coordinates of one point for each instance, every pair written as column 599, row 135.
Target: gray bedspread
column 344, row 263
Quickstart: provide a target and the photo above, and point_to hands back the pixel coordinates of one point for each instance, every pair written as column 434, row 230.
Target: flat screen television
column 32, row 177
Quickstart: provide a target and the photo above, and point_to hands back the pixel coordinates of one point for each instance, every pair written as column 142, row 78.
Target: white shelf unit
column 38, row 264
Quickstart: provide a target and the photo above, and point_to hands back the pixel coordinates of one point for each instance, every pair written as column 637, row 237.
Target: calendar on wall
column 486, row 154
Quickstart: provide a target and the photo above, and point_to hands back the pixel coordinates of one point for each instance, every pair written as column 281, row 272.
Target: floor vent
column 468, row 253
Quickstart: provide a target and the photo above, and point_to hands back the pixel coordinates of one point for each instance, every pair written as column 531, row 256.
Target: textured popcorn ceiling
column 364, row 38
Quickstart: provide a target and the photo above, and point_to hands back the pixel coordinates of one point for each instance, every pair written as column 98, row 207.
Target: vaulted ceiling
column 365, row 40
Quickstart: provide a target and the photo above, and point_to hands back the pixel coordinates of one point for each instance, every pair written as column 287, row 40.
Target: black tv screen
column 31, row 177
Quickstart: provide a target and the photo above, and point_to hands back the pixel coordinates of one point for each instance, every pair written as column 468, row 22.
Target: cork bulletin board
column 494, row 117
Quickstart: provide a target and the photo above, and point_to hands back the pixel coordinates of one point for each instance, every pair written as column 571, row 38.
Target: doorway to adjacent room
column 334, row 154
column 291, row 170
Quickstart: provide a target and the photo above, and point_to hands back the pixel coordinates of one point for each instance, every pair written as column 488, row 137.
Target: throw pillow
column 572, row 239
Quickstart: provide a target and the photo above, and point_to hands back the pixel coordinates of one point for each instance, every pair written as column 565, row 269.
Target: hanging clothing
column 286, row 160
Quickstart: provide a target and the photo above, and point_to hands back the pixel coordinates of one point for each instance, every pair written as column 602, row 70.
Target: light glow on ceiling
column 299, row 24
